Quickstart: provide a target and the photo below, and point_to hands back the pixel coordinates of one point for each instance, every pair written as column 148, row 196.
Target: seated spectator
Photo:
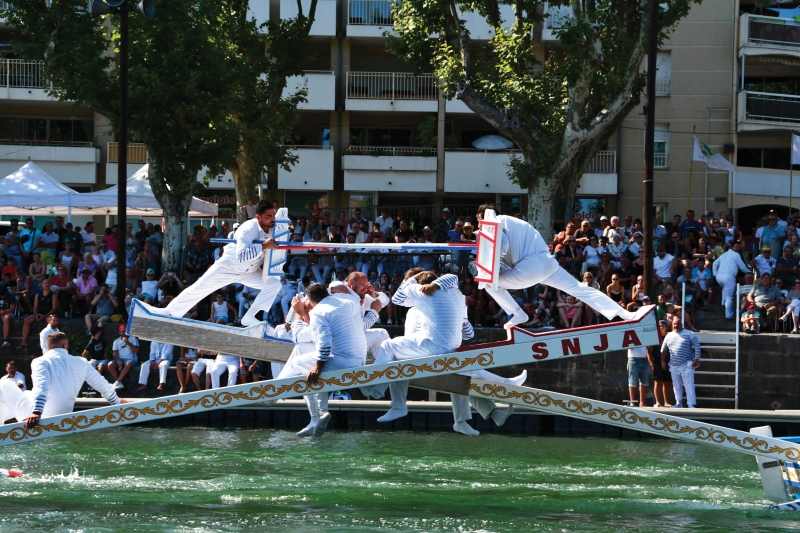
column 197, row 261
column 8, row 305
column 89, row 264
column 767, row 298
column 592, row 253
column 222, row 363
column 220, row 310
column 85, row 291
column 751, row 319
column 570, row 312
column 10, row 266
column 787, row 267
column 95, row 351
column 701, row 253
column 148, row 290
column 131, row 287
column 617, row 249
column 148, row 259
column 615, row 290
column 569, row 256
column 604, row 270
column 24, row 289
column 626, row 274
column 469, row 289
column 204, row 363
column 160, row 359
column 14, row 376
column 484, row 302
column 38, row 270
column 588, row 312
column 249, row 370
column 170, row 286
column 124, row 350
column 563, row 236
column 792, row 302
column 44, row 304
column 538, row 316
column 105, row 307
column 764, row 263
column 749, row 279
column 664, row 309
column 664, row 266
column 637, row 295
column 704, row 290
column 184, row 365
column 62, row 285
column 584, row 233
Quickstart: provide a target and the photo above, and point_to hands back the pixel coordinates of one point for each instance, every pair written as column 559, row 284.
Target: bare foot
column 141, row 388
column 182, row 390
column 667, row 405
column 160, row 386
column 642, row 404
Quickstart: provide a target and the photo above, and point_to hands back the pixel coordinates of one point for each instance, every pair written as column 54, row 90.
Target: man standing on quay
column 683, row 349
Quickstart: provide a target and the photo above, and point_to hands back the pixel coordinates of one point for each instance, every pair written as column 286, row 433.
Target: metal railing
column 557, row 16
column 603, row 162
column 774, row 31
column 311, row 147
column 391, row 86
column 137, row 152
column 660, row 160
column 371, row 12
column 662, row 87
column 22, row 74
column 773, row 107
column 45, row 142
column 391, row 150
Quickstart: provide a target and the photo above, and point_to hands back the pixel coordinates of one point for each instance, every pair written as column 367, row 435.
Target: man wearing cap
column 767, row 297
column 527, row 256
column 236, row 226
column 242, row 263
column 635, row 246
column 764, row 263
column 601, row 230
column 446, row 217
column 725, row 269
column 124, row 350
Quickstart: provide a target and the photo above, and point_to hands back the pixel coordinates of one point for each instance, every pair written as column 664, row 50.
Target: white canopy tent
column 141, row 200
column 32, row 191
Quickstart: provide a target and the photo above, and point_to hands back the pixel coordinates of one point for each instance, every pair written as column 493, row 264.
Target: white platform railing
column 391, row 86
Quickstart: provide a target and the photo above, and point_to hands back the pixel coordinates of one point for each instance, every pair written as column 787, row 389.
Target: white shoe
column 248, row 321
column 118, row 385
column 319, row 429
column 393, row 414
column 389, row 322
column 519, row 380
column 307, row 431
column 501, row 415
column 466, row 429
column 518, row 317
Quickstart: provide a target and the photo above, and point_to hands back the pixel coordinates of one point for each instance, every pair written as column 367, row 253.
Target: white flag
column 703, row 152
column 795, row 149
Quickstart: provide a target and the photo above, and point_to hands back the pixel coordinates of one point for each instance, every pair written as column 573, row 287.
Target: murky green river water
column 207, row 480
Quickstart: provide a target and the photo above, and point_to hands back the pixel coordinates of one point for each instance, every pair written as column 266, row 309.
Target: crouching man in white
column 57, row 379
column 439, row 304
column 337, row 328
column 160, row 358
column 525, row 253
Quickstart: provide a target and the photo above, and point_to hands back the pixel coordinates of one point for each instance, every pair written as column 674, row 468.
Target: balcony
column 68, row 162
column 321, row 87
column 384, row 168
column 137, row 156
column 762, row 111
column 313, row 170
column 23, row 80
column 760, row 35
column 391, row 91
column 662, row 87
column 557, row 16
column 369, row 18
column 757, row 186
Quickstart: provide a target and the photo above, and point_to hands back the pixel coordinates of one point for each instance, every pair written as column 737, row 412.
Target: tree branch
column 579, row 91
column 312, row 11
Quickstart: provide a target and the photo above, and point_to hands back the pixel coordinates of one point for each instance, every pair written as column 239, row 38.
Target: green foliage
column 428, row 134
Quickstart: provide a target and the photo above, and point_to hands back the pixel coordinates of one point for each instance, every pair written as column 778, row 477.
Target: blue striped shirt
column 682, row 347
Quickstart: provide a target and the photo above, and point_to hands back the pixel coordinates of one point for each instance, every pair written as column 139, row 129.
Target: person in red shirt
column 113, row 239
column 63, row 286
column 11, row 267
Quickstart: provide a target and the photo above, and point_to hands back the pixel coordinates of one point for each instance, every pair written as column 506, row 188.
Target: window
column 661, row 146
column 663, row 73
column 57, row 131
column 380, row 136
column 23, row 129
column 777, row 158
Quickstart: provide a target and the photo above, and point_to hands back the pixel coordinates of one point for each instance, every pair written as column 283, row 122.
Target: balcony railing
column 21, row 74
column 137, row 153
column 662, row 87
column 773, row 31
column 371, row 12
column 44, row 142
column 391, row 86
column 391, row 150
column 660, row 160
column 603, row 162
column 773, row 107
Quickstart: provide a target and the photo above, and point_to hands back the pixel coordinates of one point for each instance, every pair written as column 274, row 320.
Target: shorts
column 105, row 319
column 217, row 317
column 659, row 374
column 247, row 363
column 124, row 360
column 638, row 372
column 97, row 362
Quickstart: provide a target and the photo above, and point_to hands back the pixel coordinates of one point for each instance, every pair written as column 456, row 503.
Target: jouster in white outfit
column 439, row 332
column 161, row 354
column 57, row 378
column 13, row 402
column 525, row 253
column 725, row 269
column 241, row 262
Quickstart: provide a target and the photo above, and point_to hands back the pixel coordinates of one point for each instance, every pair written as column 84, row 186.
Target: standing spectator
column 124, row 350
column 787, row 267
column 28, row 238
column 85, row 291
column 111, row 240
column 773, row 234
column 690, row 223
column 638, row 374
column 764, row 263
column 109, row 266
column 661, row 376
column 105, row 307
column 683, row 349
column 249, row 209
column 12, row 242
column 725, row 270
column 48, row 242
column 659, row 232
column 148, row 259
column 141, row 234
column 569, row 256
column 73, row 237
column 160, row 359
column 131, row 246
column 88, row 237
column 445, row 218
column 95, row 351
column 8, row 305
column 767, row 297
column 14, row 376
column 197, row 261
column 702, row 279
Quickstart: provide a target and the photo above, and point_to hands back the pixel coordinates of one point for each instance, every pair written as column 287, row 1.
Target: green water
column 204, row 480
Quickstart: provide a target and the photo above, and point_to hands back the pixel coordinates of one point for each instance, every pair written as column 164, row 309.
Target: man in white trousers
column 160, row 358
column 222, row 363
column 241, row 262
column 525, row 253
column 337, row 328
column 683, row 348
column 725, row 269
column 440, row 304
column 57, row 378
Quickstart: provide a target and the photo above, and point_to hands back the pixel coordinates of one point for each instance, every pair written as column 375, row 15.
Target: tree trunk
column 245, row 181
column 540, row 210
column 176, row 215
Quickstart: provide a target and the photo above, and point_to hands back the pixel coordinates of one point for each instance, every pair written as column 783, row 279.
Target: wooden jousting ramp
column 522, row 347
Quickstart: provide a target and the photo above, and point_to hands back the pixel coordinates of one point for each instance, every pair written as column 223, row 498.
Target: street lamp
column 146, row 8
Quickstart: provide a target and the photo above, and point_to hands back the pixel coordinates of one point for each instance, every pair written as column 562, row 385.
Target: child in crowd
column 751, row 319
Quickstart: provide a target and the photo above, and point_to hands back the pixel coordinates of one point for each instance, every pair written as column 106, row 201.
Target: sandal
column 656, row 406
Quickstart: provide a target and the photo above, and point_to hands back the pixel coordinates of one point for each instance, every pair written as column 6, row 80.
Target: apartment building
column 373, row 134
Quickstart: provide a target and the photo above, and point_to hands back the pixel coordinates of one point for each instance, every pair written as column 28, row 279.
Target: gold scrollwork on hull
column 624, row 416
column 129, row 413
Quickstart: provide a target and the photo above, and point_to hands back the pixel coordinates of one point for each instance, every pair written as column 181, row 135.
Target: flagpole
column 691, row 164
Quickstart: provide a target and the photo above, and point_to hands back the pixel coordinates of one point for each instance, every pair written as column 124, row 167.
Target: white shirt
column 593, row 254
column 337, row 327
column 386, row 224
column 57, row 378
column 18, row 379
column 88, row 238
column 160, row 351
column 43, row 336
column 150, row 287
column 441, row 315
column 520, row 240
column 728, row 265
column 663, row 266
column 123, row 350
column 640, row 352
column 245, row 255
